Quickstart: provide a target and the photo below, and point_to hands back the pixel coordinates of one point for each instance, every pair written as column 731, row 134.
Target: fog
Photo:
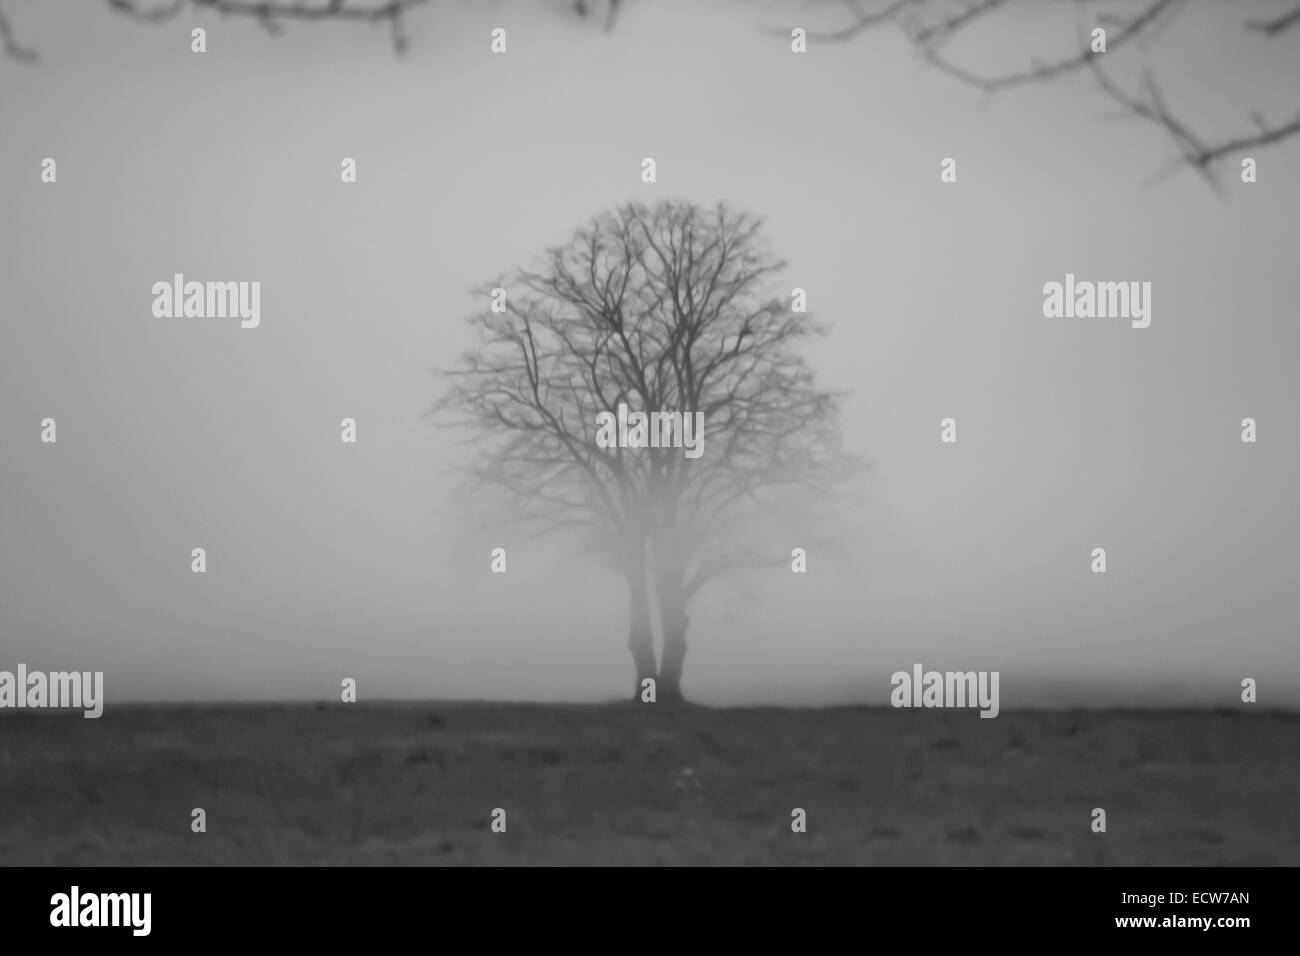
column 327, row 560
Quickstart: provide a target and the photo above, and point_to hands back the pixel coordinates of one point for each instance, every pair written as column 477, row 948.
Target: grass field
column 642, row 784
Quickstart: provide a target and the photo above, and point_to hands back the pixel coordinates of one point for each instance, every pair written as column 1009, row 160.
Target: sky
column 328, row 560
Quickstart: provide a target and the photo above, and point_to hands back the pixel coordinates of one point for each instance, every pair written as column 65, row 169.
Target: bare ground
column 643, row 784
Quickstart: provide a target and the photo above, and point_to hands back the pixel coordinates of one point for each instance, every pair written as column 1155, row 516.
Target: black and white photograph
column 649, row 433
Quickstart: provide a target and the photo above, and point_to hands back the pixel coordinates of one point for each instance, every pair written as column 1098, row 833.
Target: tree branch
column 9, row 43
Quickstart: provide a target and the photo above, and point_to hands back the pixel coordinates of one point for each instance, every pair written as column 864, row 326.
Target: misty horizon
column 327, row 561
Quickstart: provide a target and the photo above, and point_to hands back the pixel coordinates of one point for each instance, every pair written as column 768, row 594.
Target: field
column 638, row 784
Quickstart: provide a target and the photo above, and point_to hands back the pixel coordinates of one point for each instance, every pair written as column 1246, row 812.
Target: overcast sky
column 327, row 560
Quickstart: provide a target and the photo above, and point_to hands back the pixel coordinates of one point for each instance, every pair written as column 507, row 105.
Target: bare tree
column 664, row 308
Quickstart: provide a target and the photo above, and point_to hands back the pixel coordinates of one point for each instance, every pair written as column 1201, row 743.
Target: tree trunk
column 674, row 655
column 671, row 592
column 641, row 635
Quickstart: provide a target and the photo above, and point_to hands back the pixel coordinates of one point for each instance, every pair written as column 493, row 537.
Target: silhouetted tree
column 664, row 308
